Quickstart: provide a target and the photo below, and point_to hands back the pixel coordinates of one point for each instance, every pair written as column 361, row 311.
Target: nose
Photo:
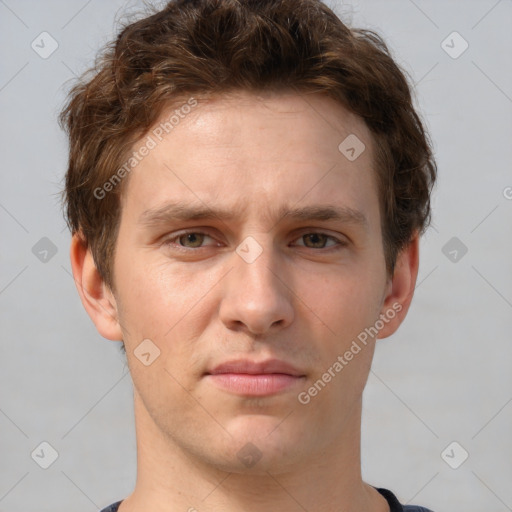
column 255, row 295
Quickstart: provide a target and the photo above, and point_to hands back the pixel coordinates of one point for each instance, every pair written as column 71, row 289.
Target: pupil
column 316, row 239
column 192, row 239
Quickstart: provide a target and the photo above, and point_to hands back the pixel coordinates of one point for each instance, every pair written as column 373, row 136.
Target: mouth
column 250, row 378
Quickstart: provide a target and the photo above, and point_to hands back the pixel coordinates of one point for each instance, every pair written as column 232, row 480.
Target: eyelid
column 340, row 242
column 167, row 240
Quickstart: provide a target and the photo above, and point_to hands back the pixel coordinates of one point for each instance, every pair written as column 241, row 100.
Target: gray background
column 444, row 377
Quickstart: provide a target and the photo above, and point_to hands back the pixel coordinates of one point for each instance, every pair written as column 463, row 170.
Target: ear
column 96, row 296
column 400, row 288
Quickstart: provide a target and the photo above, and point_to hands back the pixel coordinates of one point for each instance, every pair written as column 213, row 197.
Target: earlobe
column 96, row 296
column 400, row 288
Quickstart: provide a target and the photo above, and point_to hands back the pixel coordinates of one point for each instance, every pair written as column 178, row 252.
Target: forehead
column 241, row 117
column 273, row 150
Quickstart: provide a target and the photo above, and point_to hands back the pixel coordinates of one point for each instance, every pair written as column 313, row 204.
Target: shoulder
column 396, row 506
column 112, row 508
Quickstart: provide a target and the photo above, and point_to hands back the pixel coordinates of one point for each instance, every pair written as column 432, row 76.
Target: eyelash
column 169, row 241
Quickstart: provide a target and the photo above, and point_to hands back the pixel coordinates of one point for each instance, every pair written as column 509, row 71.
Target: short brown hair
column 206, row 47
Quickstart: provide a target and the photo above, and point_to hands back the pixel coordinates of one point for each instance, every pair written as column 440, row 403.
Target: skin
column 303, row 300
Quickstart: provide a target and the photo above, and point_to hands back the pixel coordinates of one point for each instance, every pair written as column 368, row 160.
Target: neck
column 170, row 479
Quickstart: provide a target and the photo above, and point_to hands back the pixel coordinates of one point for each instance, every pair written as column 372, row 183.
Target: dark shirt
column 394, row 504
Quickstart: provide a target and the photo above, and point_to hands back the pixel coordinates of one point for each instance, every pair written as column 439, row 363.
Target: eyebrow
column 170, row 212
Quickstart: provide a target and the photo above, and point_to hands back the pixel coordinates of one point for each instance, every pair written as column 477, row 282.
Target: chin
column 262, row 443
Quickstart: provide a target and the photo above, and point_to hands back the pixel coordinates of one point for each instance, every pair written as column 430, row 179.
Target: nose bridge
column 254, row 264
column 255, row 295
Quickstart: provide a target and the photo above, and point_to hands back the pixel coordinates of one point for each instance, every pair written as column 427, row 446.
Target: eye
column 197, row 239
column 319, row 241
column 188, row 240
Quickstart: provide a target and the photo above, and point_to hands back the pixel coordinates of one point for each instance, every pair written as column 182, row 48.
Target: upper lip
column 256, row 368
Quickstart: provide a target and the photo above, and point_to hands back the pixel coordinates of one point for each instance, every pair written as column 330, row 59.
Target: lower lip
column 254, row 385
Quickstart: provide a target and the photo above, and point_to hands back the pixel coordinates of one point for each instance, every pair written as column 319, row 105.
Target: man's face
column 247, row 236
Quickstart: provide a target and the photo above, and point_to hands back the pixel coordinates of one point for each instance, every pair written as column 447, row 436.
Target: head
column 247, row 179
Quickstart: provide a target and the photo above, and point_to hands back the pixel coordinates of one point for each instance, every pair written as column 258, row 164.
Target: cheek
column 158, row 295
column 165, row 307
column 344, row 301
column 173, row 308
